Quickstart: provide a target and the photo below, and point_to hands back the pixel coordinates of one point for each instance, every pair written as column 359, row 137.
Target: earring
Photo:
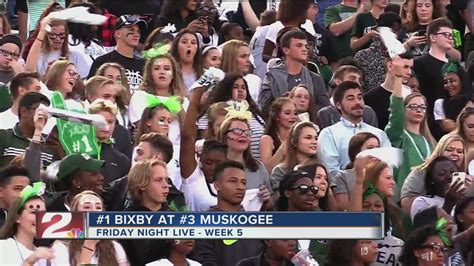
column 78, row 186
column 176, row 242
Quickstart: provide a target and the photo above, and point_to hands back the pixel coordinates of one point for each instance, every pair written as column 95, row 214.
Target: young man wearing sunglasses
column 428, row 66
column 128, row 30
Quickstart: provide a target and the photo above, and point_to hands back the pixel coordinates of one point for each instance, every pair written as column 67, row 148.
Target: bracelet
column 88, row 248
column 41, row 139
column 39, row 40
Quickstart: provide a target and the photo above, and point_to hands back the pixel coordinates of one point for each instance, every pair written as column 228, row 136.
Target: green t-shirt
column 363, row 24
column 339, row 13
column 6, row 100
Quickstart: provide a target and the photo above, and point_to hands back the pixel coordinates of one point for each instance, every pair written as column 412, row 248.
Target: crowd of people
column 206, row 106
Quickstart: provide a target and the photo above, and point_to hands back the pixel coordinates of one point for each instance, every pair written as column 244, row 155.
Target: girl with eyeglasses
column 447, row 109
column 235, row 132
column 301, row 146
column 19, row 230
column 283, row 116
column 89, row 251
column 424, row 247
column 305, row 104
column 235, row 89
column 407, row 127
column 50, row 45
column 451, row 146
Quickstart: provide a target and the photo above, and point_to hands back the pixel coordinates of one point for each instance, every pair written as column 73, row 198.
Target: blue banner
column 235, row 219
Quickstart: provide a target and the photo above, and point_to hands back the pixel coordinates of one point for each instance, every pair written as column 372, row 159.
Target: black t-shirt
column 133, row 67
column 405, row 34
column 379, row 100
column 428, row 71
column 325, row 44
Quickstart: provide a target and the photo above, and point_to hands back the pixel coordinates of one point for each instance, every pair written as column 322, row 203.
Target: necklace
column 18, row 248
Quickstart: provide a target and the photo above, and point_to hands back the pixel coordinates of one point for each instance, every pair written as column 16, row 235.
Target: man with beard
column 333, row 141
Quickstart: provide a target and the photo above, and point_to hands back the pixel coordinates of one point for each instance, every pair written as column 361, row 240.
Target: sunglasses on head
column 304, row 189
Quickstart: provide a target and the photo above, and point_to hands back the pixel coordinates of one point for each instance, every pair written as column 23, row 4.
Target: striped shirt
column 13, row 143
column 256, row 125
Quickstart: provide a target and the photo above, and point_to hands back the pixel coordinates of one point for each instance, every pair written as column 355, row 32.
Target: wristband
column 88, row 248
column 39, row 40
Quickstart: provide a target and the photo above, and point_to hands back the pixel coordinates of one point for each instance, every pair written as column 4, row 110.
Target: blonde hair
column 77, row 198
column 229, row 55
column 216, row 109
column 101, row 105
column 96, row 82
column 441, row 147
column 140, row 176
column 424, row 129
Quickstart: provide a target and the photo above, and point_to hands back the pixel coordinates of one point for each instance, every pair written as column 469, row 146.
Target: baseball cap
column 10, row 38
column 77, row 161
column 31, row 98
column 128, row 21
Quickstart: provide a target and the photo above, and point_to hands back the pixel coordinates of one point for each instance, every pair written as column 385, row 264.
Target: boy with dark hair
column 428, row 66
column 292, row 72
column 230, row 183
column 12, row 181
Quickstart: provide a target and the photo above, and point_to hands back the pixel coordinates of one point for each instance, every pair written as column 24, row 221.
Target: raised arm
column 35, row 51
column 396, row 121
column 187, row 156
column 249, row 15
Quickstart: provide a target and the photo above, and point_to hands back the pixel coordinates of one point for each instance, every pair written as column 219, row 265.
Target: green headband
column 452, row 66
column 171, row 103
column 158, row 50
column 31, row 191
column 370, row 191
column 440, row 230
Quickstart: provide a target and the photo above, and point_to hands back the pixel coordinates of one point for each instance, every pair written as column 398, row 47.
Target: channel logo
column 60, row 225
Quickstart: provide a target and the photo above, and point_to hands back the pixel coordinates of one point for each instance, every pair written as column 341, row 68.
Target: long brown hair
column 5, row 24
column 273, row 125
column 55, row 72
column 10, row 227
column 176, row 87
column 105, row 249
column 291, row 159
column 124, row 95
column 197, row 60
column 411, row 21
column 46, row 47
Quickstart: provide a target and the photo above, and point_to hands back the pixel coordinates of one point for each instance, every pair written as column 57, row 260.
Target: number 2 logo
column 52, row 231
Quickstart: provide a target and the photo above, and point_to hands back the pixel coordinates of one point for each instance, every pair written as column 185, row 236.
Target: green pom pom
column 158, row 50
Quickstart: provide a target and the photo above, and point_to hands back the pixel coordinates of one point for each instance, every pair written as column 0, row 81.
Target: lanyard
column 428, row 150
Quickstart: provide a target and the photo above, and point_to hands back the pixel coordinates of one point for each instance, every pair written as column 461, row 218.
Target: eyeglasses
column 53, row 36
column 437, row 248
column 447, row 35
column 8, row 53
column 415, row 107
column 240, row 132
column 304, row 189
column 72, row 73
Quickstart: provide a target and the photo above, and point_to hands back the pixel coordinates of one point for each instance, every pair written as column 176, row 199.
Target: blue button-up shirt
column 333, row 143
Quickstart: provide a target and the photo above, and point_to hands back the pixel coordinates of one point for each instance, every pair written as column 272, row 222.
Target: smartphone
column 458, row 176
column 421, row 33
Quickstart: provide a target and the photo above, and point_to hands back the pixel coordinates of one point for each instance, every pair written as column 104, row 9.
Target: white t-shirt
column 438, row 110
column 13, row 252
column 62, row 254
column 423, row 202
column 389, row 253
column 196, row 191
column 256, row 45
column 275, row 28
column 79, row 59
column 8, row 118
column 166, row 262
